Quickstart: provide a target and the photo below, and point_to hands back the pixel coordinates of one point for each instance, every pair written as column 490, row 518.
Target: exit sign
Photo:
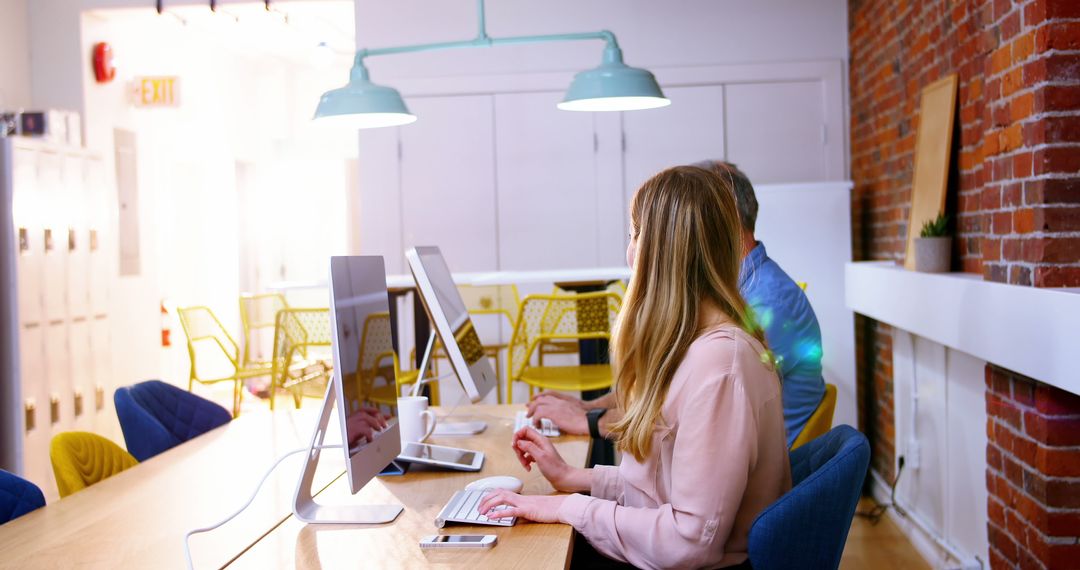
column 157, row 91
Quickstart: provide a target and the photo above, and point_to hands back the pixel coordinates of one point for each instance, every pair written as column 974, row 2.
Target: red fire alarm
column 104, row 70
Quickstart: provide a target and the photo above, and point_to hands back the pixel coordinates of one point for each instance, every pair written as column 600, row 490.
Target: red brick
column 1022, row 165
column 1060, row 250
column 1024, row 221
column 1058, row 462
column 1062, row 494
column 1060, row 219
column 1060, row 97
column 1021, row 107
column 1057, row 160
column 1002, row 222
column 1061, row 129
column 1062, row 9
column 1057, row 276
column 1053, row 401
column 993, row 456
column 1024, row 392
column 1003, row 543
column 1063, row 35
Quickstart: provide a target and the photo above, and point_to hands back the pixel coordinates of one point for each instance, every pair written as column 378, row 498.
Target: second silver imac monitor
column 448, row 315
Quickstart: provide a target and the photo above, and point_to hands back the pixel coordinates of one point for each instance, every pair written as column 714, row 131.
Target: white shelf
column 1029, row 330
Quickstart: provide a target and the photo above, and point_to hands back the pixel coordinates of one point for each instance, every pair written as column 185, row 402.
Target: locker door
column 80, row 399
column 76, row 239
column 98, row 200
column 27, row 218
column 100, row 377
column 546, row 173
column 55, row 220
column 37, row 430
column 59, row 404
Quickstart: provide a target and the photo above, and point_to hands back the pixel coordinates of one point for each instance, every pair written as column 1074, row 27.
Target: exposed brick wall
column 1033, row 472
column 1014, row 195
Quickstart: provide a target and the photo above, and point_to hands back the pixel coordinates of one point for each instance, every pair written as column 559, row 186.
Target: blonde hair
column 688, row 251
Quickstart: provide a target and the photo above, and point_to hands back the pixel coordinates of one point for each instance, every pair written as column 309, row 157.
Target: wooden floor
column 881, row 546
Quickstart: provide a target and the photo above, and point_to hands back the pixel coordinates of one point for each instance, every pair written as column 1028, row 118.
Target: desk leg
column 594, row 351
column 421, row 328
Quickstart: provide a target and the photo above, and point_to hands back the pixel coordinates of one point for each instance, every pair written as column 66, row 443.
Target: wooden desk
column 138, row 518
column 423, row 494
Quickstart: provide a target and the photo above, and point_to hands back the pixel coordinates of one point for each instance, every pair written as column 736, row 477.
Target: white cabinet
column 776, row 131
column 59, row 351
column 448, row 182
column 546, row 173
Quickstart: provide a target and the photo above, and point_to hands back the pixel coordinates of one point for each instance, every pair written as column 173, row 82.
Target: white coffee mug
column 415, row 421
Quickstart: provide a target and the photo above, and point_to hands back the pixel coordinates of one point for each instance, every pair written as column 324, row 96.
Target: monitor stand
column 443, row 427
column 304, row 505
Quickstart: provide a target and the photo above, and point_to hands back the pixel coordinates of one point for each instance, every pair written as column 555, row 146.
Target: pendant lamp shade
column 362, row 104
column 613, row 86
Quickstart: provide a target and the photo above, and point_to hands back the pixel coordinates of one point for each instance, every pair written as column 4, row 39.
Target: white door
column 776, row 131
column 546, row 179
column 448, row 181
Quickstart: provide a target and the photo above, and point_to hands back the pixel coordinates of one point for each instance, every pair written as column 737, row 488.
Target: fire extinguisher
column 166, row 331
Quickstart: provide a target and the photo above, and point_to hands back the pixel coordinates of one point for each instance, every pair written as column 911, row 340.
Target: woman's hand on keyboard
column 533, row 448
column 539, row 508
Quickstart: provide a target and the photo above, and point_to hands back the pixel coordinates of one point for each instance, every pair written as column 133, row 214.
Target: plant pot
column 932, row 254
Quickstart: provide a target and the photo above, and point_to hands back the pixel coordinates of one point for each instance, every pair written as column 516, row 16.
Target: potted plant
column 933, row 246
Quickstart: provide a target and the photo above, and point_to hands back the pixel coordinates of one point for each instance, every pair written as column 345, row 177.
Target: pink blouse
column 720, row 458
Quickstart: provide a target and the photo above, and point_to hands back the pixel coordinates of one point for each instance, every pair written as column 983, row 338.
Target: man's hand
column 564, row 411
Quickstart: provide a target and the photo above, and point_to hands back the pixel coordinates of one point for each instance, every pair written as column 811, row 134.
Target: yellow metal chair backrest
column 80, row 459
column 207, row 336
column 295, row 331
column 618, row 287
column 491, row 300
column 551, row 317
column 820, row 421
column 258, row 313
column 376, row 346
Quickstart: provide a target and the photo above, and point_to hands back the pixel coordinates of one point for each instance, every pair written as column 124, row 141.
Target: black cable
column 874, row 515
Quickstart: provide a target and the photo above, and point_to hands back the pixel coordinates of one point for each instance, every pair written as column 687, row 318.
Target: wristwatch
column 593, row 416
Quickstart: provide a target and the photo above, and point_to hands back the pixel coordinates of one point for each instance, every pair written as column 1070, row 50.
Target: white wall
column 14, row 55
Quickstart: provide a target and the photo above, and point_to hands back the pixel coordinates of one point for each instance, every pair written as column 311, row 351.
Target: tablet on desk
column 440, row 456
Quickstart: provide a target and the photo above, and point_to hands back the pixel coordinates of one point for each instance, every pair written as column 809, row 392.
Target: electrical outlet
column 913, row 454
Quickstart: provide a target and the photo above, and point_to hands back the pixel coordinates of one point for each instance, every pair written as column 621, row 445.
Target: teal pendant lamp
column 614, row 86
column 362, row 104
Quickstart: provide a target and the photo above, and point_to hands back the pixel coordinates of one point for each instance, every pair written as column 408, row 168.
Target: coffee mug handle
column 431, row 428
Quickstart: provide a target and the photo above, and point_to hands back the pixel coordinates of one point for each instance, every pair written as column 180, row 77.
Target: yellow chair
column 821, row 420
column 379, row 360
column 545, row 318
column 214, row 355
column 258, row 315
column 498, row 300
column 294, row 365
column 80, row 459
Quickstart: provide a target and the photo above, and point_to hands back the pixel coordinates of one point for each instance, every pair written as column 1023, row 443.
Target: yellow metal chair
column 295, row 365
column 258, row 315
column 546, row 318
column 379, row 360
column 500, row 301
column 80, row 459
column 820, row 421
column 215, row 356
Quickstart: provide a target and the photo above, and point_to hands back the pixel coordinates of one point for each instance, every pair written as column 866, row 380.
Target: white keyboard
column 462, row 509
column 547, row 427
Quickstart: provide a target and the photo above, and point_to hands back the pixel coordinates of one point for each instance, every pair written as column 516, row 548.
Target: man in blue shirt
column 782, row 310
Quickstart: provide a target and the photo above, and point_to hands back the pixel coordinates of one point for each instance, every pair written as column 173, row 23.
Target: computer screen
column 446, row 310
column 363, row 348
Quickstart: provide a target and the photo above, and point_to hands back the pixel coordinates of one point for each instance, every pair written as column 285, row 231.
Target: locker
column 58, row 376
column 36, row 429
column 26, row 195
column 54, row 230
column 76, row 239
column 79, row 400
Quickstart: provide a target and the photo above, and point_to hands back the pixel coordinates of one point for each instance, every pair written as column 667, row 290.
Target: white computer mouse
column 498, row 482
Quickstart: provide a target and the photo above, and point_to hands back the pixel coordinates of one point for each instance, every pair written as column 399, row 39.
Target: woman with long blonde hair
column 702, row 431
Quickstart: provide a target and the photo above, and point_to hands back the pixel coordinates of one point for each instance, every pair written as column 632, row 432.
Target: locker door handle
column 30, row 409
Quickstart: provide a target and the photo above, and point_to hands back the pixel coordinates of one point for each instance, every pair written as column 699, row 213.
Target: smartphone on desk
column 458, row 541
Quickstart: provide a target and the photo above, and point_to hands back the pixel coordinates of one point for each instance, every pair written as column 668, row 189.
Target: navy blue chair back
column 807, row 527
column 17, row 496
column 156, row 416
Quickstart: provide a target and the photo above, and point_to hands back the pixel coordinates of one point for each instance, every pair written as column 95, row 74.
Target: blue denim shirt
column 793, row 334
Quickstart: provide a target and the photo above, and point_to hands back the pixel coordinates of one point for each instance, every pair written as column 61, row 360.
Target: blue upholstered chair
column 156, row 416
column 807, row 527
column 17, row 496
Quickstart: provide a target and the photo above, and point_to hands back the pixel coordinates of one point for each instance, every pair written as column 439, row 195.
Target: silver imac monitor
column 362, row 386
column 447, row 313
